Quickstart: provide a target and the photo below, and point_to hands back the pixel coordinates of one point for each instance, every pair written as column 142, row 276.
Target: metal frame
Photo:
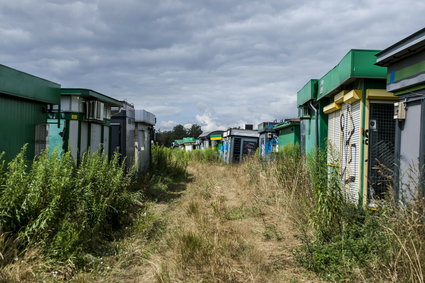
column 422, row 148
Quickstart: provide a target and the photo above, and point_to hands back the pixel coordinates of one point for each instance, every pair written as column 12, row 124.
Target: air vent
column 95, row 110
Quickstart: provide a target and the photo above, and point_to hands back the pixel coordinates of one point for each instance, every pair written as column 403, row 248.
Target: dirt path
column 219, row 229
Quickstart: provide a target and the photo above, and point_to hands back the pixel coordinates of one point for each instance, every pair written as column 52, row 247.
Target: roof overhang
column 26, row 86
column 287, row 124
column 88, row 93
column 402, row 49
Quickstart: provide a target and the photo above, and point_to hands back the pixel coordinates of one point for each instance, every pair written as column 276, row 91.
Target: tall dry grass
column 335, row 239
column 231, row 226
column 339, row 240
column 285, row 220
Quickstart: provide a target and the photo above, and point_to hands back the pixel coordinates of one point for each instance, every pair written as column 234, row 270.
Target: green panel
column 364, row 65
column 286, row 124
column 374, row 84
column 355, row 64
column 311, row 130
column 18, row 119
column 310, row 134
column 409, row 71
column 297, row 135
column 188, row 140
column 409, row 89
column 16, row 83
column 323, row 125
column 289, row 135
column 91, row 94
column 308, row 92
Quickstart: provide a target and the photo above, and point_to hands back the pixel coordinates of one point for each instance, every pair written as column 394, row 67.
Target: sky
column 215, row 63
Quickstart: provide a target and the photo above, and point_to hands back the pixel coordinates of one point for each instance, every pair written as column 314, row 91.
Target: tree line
column 166, row 138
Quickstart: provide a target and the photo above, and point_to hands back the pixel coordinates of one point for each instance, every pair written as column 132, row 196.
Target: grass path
column 218, row 229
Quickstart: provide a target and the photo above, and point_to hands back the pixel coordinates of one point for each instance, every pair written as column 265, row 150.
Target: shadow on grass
column 162, row 188
column 153, row 187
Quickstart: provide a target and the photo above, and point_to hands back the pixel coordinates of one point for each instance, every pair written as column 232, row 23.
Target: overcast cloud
column 217, row 63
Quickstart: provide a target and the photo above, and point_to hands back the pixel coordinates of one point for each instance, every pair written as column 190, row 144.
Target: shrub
column 169, row 162
column 63, row 207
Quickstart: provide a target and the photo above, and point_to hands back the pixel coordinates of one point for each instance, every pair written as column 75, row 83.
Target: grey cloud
column 217, row 62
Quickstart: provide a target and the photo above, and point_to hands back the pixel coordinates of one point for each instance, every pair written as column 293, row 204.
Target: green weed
column 64, row 208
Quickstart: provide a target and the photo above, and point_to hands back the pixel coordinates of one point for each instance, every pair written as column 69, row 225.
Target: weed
column 193, row 208
column 61, row 207
column 237, row 213
column 271, row 233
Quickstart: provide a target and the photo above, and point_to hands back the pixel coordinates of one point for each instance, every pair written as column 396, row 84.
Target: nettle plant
column 60, row 206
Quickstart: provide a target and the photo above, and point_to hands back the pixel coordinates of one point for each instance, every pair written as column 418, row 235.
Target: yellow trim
column 339, row 98
column 331, row 108
column 378, row 94
column 217, row 139
column 333, row 165
column 352, row 96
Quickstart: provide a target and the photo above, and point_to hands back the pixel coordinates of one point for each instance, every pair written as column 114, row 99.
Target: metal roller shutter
column 334, row 138
column 349, row 149
column 331, row 126
column 355, row 154
column 344, row 147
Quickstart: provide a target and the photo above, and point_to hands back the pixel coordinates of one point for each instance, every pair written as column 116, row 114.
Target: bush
column 169, row 162
column 62, row 207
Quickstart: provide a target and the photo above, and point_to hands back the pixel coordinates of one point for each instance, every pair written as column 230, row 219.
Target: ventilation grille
column 237, row 150
column 381, row 149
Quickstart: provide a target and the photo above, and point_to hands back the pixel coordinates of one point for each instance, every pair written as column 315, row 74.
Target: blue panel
column 392, row 76
column 56, row 135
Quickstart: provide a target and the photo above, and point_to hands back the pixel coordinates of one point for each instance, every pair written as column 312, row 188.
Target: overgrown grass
column 45, row 202
column 208, row 155
column 167, row 174
column 62, row 216
column 235, row 222
column 62, row 209
column 339, row 240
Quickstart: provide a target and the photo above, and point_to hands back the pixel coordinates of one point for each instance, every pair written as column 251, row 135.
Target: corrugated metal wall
column 17, row 127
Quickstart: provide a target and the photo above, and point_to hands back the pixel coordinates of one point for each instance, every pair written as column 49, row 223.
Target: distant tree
column 179, row 132
column 195, row 131
column 164, row 138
